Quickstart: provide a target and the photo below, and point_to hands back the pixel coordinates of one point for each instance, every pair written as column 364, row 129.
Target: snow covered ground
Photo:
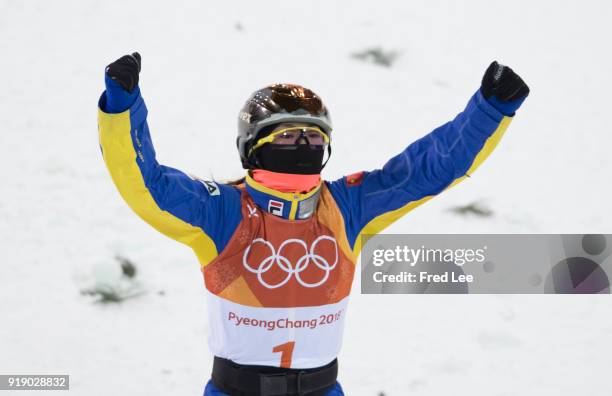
column 61, row 220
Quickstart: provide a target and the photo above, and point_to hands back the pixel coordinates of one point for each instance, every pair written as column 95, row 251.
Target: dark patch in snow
column 376, row 56
column 474, row 208
column 127, row 266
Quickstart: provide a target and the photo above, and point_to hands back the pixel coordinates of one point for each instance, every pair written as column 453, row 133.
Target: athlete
column 278, row 248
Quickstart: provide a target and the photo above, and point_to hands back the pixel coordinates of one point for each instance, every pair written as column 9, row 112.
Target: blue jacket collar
column 291, row 206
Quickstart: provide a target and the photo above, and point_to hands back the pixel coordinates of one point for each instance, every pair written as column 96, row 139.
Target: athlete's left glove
column 125, row 71
column 503, row 88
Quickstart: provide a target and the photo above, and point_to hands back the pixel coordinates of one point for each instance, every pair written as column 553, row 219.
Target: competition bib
column 277, row 294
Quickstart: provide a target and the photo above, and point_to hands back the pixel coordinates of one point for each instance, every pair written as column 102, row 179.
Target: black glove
column 503, row 83
column 125, row 71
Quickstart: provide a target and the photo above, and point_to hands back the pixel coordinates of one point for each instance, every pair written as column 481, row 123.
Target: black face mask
column 300, row 159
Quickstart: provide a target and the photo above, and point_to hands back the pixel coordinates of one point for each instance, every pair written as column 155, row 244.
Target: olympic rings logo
column 284, row 264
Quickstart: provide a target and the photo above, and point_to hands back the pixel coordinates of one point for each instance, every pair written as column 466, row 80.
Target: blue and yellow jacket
column 276, row 260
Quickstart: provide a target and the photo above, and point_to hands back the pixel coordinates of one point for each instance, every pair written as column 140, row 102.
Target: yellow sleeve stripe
column 379, row 223
column 120, row 158
column 490, row 144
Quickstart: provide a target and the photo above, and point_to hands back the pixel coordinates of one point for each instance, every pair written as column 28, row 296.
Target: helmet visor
column 312, row 136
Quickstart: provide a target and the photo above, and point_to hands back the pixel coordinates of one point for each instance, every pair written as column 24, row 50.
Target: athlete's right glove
column 503, row 88
column 125, row 71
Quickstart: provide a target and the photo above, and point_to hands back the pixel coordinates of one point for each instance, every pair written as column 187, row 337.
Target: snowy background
column 62, row 222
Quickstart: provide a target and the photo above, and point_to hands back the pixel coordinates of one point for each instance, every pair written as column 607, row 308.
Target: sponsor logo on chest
column 276, row 207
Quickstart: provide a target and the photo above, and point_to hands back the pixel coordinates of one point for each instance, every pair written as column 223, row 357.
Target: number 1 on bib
column 286, row 351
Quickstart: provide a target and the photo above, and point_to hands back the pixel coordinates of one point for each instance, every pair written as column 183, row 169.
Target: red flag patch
column 354, row 179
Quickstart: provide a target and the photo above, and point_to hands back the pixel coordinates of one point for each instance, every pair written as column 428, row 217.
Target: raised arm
column 200, row 214
column 370, row 201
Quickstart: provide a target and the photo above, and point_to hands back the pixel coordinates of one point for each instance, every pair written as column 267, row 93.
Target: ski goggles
column 314, row 136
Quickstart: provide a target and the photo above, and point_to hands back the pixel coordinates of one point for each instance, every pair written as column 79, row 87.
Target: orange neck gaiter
column 286, row 182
